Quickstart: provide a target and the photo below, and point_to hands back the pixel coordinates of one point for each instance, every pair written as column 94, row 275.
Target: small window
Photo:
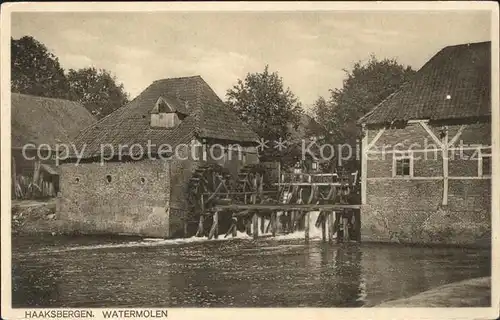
column 486, row 165
column 108, row 178
column 143, row 180
column 402, row 167
column 77, row 180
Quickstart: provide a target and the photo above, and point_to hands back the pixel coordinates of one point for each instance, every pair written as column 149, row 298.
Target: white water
column 314, row 234
column 152, row 242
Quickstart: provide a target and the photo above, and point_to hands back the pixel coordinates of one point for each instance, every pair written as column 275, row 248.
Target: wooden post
column 445, row 156
column 216, row 220
column 235, row 228
column 255, row 225
column 364, row 163
column 337, row 225
column 262, row 225
column 248, row 225
column 274, row 223
column 214, row 231
column 307, row 226
column 357, row 214
column 331, row 226
column 291, row 221
column 200, row 231
column 323, row 226
column 345, row 224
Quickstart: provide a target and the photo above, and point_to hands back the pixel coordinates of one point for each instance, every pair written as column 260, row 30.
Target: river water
column 284, row 272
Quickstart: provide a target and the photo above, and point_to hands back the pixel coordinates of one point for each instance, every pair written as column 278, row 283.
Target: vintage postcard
column 252, row 160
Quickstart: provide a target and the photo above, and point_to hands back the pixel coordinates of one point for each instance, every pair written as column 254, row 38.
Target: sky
column 309, row 50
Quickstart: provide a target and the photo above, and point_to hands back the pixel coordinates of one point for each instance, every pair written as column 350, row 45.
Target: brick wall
column 91, row 204
column 410, row 209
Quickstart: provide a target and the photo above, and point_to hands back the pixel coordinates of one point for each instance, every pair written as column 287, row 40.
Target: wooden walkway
column 286, row 207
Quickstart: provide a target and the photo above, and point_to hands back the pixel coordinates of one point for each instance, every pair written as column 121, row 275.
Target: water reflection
column 34, row 283
column 235, row 273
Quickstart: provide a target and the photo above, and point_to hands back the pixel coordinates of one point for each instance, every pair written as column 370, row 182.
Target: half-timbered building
column 426, row 164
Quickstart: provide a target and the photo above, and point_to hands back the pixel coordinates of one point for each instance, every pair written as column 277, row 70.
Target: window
column 143, row 180
column 108, row 178
column 485, row 165
column 403, row 166
column 77, row 179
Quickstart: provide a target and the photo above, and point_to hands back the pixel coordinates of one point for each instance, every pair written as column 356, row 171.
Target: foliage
column 262, row 102
column 97, row 90
column 365, row 86
column 35, row 70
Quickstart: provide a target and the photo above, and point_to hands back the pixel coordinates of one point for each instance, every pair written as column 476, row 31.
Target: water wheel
column 209, row 185
column 253, row 179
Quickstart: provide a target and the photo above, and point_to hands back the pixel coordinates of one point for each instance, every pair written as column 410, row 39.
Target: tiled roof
column 208, row 118
column 454, row 84
column 41, row 120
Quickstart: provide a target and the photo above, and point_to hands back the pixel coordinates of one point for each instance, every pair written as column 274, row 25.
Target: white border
column 207, row 314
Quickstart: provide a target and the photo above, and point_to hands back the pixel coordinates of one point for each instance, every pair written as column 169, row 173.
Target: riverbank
column 468, row 293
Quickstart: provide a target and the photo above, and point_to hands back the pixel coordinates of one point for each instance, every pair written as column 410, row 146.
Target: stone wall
column 409, row 209
column 134, row 201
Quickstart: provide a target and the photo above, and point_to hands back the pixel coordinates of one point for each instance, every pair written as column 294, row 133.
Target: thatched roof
column 41, row 120
column 208, row 117
column 454, row 84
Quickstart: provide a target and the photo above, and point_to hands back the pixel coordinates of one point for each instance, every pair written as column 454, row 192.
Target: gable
column 162, row 106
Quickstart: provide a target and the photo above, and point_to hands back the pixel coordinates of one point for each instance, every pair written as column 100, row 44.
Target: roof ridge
column 41, row 97
column 466, row 44
column 178, row 78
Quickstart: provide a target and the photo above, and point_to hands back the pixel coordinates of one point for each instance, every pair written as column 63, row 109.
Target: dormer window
column 164, row 114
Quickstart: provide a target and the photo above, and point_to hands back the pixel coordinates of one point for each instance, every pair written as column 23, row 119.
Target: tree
column 365, row 86
column 35, row 70
column 262, row 102
column 97, row 90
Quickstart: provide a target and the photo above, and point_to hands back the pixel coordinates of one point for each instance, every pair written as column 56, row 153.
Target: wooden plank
column 287, row 207
column 455, row 138
column 307, row 184
column 375, row 139
column 423, row 124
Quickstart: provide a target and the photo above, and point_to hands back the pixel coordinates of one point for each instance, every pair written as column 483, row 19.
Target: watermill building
column 132, row 169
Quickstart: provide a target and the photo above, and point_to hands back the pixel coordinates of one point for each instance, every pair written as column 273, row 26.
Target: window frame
column 403, row 156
